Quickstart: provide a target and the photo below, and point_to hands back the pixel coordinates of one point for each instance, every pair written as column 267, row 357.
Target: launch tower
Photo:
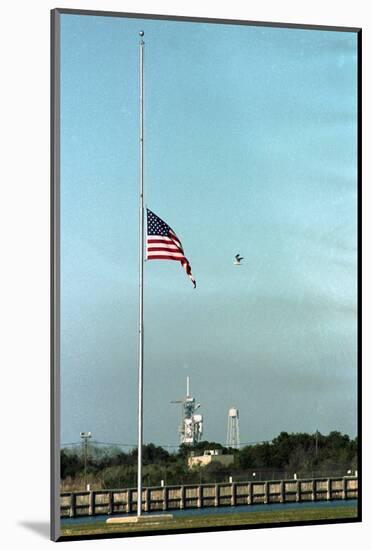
column 191, row 426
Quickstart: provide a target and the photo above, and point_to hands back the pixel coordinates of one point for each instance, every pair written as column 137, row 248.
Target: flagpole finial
column 141, row 33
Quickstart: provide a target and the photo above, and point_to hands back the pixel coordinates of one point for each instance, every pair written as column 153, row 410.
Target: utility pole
column 85, row 436
column 316, row 443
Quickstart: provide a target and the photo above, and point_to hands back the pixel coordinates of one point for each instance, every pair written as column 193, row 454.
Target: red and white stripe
column 168, row 248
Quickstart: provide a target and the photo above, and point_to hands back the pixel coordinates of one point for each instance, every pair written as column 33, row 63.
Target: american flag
column 163, row 244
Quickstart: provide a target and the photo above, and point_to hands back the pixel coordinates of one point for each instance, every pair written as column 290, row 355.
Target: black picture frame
column 55, row 263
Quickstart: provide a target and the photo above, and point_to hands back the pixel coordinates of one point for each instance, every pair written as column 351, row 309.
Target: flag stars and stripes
column 163, row 244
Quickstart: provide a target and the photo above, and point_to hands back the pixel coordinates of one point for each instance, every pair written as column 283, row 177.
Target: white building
column 210, row 456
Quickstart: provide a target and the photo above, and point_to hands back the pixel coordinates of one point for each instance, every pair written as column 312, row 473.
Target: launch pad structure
column 191, row 425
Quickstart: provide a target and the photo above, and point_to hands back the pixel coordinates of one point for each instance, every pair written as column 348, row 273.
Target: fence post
column 73, row 505
column 182, row 498
column 91, row 503
column 199, row 496
column 344, row 491
column 233, row 494
column 266, row 492
column 217, row 495
column 329, row 489
column 164, row 498
column 146, row 500
column 110, row 503
column 298, row 490
column 282, row 491
column 250, row 493
column 314, row 489
column 129, row 502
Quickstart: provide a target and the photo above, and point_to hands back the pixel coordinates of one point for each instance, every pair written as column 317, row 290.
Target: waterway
column 222, row 510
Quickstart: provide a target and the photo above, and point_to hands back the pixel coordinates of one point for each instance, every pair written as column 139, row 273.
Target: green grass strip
column 215, row 520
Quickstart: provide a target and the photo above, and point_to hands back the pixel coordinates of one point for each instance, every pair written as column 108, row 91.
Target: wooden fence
column 181, row 497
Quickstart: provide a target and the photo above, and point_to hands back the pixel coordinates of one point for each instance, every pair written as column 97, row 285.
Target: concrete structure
column 210, row 456
column 181, row 497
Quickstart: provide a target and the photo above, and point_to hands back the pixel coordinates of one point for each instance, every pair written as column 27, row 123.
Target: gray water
column 222, row 510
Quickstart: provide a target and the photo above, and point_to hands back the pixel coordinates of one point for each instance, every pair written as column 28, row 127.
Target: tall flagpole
column 141, row 264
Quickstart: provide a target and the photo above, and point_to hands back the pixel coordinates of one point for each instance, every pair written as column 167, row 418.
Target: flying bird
column 237, row 259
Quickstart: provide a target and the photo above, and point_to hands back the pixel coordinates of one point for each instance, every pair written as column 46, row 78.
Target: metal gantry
column 191, row 426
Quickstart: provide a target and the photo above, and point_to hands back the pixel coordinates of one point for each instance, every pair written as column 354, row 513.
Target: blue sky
column 250, row 147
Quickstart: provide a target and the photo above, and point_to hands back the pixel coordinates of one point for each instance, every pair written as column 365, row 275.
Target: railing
column 181, row 497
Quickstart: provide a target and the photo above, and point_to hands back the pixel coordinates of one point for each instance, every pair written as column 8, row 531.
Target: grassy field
column 214, row 520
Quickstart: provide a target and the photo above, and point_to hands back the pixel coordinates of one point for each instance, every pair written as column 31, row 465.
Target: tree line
column 306, row 455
